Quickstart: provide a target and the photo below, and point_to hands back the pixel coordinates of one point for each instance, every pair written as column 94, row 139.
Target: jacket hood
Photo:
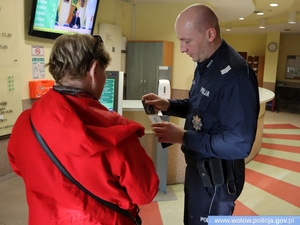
column 75, row 124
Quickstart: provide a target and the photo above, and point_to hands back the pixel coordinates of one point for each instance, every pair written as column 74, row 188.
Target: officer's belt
column 214, row 172
column 193, row 162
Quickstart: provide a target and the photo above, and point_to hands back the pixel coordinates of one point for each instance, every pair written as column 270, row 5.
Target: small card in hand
column 148, row 108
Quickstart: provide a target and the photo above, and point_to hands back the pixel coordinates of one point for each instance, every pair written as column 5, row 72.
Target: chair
column 272, row 103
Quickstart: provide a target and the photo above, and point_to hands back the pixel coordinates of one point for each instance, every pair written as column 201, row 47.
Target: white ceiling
column 229, row 11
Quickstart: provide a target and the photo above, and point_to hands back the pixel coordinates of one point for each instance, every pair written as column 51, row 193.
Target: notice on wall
column 37, row 51
column 10, row 88
column 293, row 67
column 38, row 62
column 38, row 68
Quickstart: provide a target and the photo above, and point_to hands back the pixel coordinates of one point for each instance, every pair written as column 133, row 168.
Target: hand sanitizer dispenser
column 164, row 87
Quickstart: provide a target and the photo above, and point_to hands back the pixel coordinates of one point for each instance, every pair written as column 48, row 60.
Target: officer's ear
column 211, row 34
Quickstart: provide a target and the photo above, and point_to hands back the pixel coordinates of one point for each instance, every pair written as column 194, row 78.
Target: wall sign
column 292, row 67
column 10, row 82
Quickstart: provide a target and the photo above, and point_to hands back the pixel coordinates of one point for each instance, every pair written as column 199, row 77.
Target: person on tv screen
column 75, row 22
column 99, row 148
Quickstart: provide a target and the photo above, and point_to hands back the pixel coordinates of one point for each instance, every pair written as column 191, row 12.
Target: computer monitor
column 112, row 95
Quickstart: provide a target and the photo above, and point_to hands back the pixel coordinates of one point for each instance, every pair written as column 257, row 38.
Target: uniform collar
column 202, row 66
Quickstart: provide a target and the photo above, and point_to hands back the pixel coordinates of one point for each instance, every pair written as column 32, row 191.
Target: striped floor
column 272, row 184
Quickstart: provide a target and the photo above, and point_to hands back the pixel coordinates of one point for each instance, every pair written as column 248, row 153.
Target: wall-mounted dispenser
column 164, row 89
column 164, row 77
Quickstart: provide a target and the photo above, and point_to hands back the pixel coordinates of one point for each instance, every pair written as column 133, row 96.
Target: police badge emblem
column 197, row 124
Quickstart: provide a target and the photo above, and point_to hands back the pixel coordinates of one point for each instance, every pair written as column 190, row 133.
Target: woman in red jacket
column 99, row 148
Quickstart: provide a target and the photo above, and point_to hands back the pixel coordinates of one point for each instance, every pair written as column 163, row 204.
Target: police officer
column 221, row 114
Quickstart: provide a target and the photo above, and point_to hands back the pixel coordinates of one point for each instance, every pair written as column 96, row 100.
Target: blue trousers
column 201, row 201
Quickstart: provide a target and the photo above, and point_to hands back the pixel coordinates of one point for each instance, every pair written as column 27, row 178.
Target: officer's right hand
column 159, row 104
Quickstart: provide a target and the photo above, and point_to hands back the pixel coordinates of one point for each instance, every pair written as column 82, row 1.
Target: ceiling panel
column 228, row 11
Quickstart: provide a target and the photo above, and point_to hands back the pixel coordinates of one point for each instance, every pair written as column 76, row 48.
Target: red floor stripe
column 280, row 126
column 242, row 210
column 278, row 162
column 283, row 136
column 150, row 214
column 285, row 148
column 283, row 190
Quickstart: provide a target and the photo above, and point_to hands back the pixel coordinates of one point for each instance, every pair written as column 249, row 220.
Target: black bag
column 137, row 220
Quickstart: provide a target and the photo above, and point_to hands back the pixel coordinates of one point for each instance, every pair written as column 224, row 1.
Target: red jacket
column 99, row 148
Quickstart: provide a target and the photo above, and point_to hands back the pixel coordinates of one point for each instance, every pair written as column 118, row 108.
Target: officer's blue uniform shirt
column 222, row 109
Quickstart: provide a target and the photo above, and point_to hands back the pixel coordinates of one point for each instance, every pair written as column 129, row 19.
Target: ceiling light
column 228, row 27
column 292, row 17
column 260, row 13
column 273, row 4
column 262, row 23
column 241, row 18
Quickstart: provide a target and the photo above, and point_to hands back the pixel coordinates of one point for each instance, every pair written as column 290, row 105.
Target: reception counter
column 265, row 96
column 133, row 110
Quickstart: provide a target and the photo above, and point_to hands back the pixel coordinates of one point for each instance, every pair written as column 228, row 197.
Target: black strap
column 124, row 212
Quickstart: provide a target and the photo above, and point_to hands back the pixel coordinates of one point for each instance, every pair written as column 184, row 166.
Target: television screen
column 52, row 18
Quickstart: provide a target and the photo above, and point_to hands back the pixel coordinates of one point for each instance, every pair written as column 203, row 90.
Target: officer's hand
column 168, row 132
column 159, row 104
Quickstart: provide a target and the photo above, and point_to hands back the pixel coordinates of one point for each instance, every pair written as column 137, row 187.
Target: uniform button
column 192, row 216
